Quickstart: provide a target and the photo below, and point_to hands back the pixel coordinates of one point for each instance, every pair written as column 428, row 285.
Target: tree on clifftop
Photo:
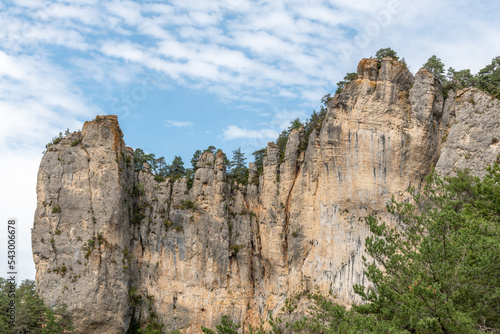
column 436, row 67
column 177, row 170
column 348, row 78
column 239, row 170
column 489, row 78
column 387, row 52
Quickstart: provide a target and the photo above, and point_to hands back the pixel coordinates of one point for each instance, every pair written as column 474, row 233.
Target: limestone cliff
column 117, row 246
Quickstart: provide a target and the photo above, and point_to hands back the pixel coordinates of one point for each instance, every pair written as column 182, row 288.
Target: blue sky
column 182, row 75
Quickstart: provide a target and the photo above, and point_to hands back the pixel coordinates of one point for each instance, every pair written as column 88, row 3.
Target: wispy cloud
column 280, row 47
column 178, row 124
column 235, row 132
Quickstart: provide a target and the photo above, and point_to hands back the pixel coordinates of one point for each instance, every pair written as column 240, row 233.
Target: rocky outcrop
column 472, row 141
column 81, row 228
column 119, row 247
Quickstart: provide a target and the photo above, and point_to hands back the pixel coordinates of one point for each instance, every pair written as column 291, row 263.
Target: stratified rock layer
column 119, row 247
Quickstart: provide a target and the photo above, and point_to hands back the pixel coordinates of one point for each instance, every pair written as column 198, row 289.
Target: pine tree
column 347, row 79
column 212, row 149
column 225, row 327
column 30, row 311
column 460, row 79
column 489, row 78
column 436, row 67
column 259, row 160
column 194, row 160
column 177, row 169
column 387, row 52
column 439, row 272
column 239, row 170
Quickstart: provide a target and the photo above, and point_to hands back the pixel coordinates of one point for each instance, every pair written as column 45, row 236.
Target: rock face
column 119, row 247
column 81, row 229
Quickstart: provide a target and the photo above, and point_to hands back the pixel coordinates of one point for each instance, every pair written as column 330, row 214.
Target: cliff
column 119, row 247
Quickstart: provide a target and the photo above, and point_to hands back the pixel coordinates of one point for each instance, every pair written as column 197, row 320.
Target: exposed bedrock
column 119, row 247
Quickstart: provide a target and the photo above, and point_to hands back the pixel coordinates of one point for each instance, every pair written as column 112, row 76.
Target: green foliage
column 140, row 157
column 460, row 79
column 403, row 62
column 315, row 120
column 127, row 258
column 188, row 205
column 349, row 77
column 436, row 67
column 177, row 170
column 281, row 143
column 58, row 321
column 194, row 160
column 55, row 140
column 211, row 149
column 489, row 78
column 226, row 326
column 235, row 248
column 311, row 124
column 428, row 279
column 138, row 190
column 283, row 137
column 56, row 209
column 295, row 124
column 238, row 169
column 134, row 297
column 387, row 52
column 190, row 177
column 324, row 316
column 168, row 223
column 32, row 315
column 438, row 272
column 62, row 270
column 75, row 142
column 151, row 328
column 259, row 160
column 159, row 168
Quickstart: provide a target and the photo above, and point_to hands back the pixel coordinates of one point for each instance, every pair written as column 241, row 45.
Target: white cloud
column 18, row 198
column 37, row 100
column 129, row 11
column 178, row 124
column 235, row 132
column 127, row 51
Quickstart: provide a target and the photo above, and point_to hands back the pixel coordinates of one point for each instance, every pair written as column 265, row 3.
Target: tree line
column 487, row 79
column 237, row 170
column 31, row 314
column 236, row 166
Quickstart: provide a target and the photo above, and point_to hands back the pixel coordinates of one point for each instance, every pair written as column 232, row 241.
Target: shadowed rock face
column 114, row 244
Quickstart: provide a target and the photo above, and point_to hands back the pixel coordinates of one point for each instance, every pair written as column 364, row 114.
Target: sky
column 183, row 75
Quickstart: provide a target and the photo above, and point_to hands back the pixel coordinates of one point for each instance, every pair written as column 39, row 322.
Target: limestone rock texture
column 119, row 247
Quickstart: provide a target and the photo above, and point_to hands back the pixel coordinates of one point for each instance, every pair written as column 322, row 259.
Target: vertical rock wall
column 121, row 248
column 81, row 229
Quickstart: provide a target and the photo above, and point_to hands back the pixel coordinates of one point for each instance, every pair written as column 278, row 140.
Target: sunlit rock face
column 119, row 247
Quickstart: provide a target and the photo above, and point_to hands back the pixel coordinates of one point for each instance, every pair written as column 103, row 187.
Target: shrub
column 188, row 205
column 75, row 142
